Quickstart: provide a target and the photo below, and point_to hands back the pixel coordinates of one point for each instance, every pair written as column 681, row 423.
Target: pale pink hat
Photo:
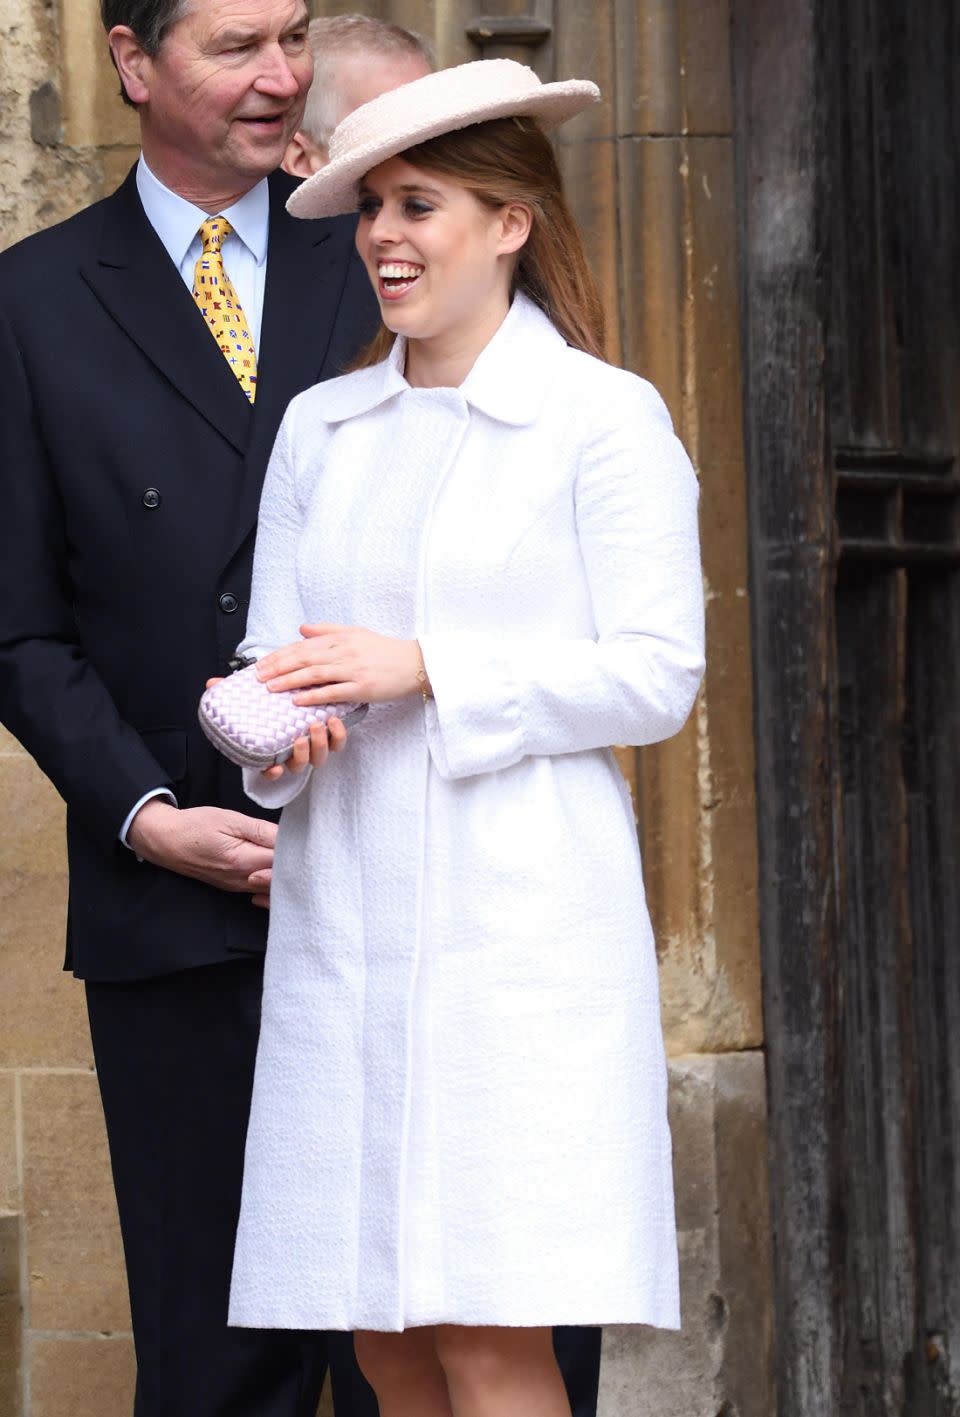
column 438, row 103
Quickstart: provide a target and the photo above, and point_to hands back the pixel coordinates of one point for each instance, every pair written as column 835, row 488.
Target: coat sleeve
column 500, row 699
column 51, row 697
column 276, row 611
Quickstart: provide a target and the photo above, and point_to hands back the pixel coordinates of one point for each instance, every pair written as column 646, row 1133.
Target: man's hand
column 223, row 848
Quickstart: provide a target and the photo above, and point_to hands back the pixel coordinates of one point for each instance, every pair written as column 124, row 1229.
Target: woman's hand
column 311, row 750
column 336, row 664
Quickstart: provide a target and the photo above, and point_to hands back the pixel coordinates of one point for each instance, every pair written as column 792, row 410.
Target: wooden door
column 850, row 200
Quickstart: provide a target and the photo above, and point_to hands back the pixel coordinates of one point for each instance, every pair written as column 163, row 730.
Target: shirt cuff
column 128, row 820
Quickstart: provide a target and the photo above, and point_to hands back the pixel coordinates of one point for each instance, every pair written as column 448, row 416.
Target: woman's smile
column 396, row 278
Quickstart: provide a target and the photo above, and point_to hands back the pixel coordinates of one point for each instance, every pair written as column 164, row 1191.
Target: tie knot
column 212, row 233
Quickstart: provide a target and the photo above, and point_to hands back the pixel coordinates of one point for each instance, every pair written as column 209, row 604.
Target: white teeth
column 393, row 270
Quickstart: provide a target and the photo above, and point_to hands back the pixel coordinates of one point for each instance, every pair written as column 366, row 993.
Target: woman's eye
column 368, row 206
column 414, row 207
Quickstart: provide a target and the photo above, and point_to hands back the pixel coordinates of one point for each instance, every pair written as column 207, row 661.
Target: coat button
column 151, row 498
column 229, row 602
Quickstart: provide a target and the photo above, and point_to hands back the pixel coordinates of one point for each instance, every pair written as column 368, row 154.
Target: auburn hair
column 511, row 160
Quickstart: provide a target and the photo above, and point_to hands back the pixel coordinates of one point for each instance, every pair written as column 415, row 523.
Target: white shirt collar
column 508, row 382
column 177, row 221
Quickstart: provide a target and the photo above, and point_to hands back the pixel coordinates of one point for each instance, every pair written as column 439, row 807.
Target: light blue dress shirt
column 177, row 223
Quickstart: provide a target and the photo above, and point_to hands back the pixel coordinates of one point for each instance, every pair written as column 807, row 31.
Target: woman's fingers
column 312, row 631
column 302, row 654
column 346, row 693
column 312, row 749
column 306, row 677
column 319, row 744
column 300, row 756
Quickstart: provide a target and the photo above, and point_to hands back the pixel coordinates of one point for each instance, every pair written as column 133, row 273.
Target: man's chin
column 260, row 147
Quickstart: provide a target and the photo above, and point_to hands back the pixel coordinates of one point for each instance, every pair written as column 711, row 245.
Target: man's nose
column 278, row 76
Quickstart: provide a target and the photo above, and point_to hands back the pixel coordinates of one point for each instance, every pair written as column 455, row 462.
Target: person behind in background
column 148, row 349
column 355, row 58
column 458, row 1135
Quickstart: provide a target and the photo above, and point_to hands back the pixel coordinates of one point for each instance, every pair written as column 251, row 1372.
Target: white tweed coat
column 459, row 1112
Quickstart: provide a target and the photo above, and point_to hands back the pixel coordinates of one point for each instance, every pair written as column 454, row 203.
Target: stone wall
column 65, row 1343
column 653, row 182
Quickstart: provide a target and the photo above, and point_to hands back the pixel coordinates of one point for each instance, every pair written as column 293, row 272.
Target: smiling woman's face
column 440, row 261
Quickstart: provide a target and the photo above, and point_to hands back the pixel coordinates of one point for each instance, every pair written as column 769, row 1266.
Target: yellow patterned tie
column 218, row 304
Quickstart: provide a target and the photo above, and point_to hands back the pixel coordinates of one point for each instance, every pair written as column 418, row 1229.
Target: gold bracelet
column 426, row 691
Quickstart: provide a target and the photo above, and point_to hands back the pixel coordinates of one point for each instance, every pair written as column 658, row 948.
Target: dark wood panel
column 791, row 577
column 875, row 1150
column 932, row 779
column 891, row 164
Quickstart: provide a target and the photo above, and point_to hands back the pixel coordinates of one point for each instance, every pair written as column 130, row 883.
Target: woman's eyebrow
column 419, row 187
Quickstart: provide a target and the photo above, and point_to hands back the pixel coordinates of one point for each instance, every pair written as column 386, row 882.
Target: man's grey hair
column 332, row 37
column 149, row 20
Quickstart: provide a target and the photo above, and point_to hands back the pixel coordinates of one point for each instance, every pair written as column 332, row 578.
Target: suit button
column 229, row 602
column 151, row 498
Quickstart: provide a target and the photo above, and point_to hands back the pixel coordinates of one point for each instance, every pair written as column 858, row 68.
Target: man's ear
column 131, row 61
column 516, row 219
column 303, row 156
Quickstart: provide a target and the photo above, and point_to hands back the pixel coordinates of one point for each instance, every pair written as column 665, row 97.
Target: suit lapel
column 306, row 267
column 138, row 284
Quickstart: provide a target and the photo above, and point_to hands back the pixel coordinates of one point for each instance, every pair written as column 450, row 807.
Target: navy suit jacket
column 131, row 466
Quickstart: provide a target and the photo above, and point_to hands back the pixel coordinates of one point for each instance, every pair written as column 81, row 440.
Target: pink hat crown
column 438, row 103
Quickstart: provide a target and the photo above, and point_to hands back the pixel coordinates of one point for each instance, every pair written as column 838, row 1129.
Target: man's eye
column 296, row 41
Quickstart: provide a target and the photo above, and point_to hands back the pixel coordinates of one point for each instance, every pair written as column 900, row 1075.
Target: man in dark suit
column 131, row 459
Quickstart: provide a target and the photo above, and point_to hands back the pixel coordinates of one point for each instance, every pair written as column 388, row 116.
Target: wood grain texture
column 775, row 77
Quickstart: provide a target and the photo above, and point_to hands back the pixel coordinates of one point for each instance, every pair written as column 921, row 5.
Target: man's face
column 225, row 93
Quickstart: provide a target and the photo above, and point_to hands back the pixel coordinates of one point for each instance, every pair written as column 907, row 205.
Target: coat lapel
column 135, row 280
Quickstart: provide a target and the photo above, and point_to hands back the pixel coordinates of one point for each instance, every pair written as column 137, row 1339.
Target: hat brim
column 333, row 190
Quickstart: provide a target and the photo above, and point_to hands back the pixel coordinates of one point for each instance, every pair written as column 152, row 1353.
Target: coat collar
column 509, row 381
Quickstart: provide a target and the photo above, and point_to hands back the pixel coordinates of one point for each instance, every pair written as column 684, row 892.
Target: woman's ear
column 131, row 61
column 516, row 219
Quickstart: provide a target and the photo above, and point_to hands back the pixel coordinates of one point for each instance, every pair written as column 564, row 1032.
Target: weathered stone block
column 326, row 1401
column 82, row 1377
column 720, row 1361
column 8, row 744
column 9, row 1182
column 73, row 1238
column 46, row 126
column 11, row 1318
column 669, row 78
column 42, row 1018
column 696, row 797
column 93, row 113
column 590, row 176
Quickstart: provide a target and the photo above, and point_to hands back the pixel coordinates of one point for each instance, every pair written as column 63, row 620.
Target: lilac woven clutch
column 255, row 728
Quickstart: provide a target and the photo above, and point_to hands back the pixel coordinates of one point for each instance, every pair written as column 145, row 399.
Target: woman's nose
column 383, row 228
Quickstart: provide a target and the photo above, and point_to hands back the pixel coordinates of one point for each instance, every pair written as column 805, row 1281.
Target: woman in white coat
column 459, row 1134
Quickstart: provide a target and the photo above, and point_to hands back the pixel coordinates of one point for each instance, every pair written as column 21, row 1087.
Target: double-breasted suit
column 131, row 466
